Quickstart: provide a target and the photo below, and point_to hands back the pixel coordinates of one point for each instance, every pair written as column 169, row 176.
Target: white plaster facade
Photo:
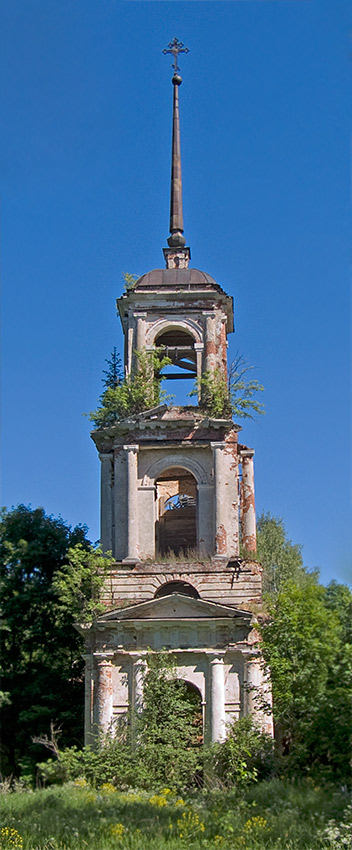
column 213, row 646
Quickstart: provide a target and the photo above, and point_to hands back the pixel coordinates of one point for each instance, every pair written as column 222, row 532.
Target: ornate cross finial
column 175, row 47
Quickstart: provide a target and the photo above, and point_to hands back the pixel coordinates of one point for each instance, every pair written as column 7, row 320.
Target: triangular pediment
column 177, row 606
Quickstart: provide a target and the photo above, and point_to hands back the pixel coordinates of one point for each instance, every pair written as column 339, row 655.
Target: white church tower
column 177, row 497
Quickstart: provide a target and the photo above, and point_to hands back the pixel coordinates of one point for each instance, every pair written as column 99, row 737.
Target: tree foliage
column 137, row 392
column 47, row 573
column 129, row 280
column 307, row 645
column 236, row 396
column 281, row 560
column 243, row 392
column 114, row 373
column 161, row 746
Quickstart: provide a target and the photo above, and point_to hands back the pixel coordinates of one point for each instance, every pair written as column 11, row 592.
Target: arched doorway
column 193, row 699
column 176, row 512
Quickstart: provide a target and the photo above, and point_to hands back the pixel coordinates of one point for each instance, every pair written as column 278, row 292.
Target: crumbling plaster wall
column 237, row 585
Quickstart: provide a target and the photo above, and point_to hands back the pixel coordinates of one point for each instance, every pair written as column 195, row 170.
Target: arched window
column 177, row 587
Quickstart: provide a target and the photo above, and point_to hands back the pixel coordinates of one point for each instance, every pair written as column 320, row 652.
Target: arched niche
column 176, row 587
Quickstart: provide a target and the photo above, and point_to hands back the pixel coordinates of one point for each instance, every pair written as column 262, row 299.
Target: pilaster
column 220, row 531
column 106, row 502
column 132, row 503
column 249, row 533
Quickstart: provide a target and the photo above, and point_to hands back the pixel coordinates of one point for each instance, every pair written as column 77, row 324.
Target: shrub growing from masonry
column 135, row 393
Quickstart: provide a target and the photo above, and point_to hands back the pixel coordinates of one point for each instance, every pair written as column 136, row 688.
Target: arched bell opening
column 182, row 587
column 179, row 346
column 176, row 512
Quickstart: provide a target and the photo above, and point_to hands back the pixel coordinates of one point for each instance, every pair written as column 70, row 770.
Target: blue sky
column 85, row 160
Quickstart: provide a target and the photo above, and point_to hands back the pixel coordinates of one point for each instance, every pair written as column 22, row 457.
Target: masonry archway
column 176, row 511
column 194, row 698
column 182, row 587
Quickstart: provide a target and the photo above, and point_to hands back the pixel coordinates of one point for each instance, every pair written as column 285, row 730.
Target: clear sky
column 85, row 105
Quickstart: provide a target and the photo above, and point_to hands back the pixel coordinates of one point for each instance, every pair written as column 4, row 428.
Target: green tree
column 236, row 396
column 40, row 649
column 114, row 372
column 129, row 280
column 168, row 727
column 330, row 742
column 137, row 392
column 281, row 559
column 301, row 642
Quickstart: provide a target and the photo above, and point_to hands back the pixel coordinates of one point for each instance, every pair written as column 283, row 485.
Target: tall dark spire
column 176, row 240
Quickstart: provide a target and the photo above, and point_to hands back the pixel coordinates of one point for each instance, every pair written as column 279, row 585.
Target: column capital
column 217, row 658
column 198, row 346
column 219, row 445
column 105, row 455
column 104, row 657
column 131, row 448
column 247, row 453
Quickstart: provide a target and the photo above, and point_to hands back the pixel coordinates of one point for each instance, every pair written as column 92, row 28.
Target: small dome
column 174, row 277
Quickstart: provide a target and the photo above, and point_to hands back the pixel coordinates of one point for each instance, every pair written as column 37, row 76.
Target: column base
column 131, row 561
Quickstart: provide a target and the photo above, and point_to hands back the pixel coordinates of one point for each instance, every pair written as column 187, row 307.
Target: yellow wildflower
column 189, row 825
column 80, row 782
column 107, row 788
column 117, row 830
column 10, row 838
column 255, row 824
column 158, row 800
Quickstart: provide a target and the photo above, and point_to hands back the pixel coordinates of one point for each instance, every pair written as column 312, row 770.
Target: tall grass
column 276, row 815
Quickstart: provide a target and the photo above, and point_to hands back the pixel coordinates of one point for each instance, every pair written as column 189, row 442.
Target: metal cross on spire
column 175, row 47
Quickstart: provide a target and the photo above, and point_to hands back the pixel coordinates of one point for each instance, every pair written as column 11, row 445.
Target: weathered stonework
column 177, row 499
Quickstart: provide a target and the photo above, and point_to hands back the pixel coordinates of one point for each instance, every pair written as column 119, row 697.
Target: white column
column 130, row 334
column 139, row 668
column 220, row 506
column 258, row 698
column 205, row 542
column 210, row 341
column 105, row 693
column 249, row 532
column 88, row 700
column 120, row 504
column 140, row 331
column 106, row 461
column 217, row 698
column 132, row 503
column 198, row 347
column 146, row 512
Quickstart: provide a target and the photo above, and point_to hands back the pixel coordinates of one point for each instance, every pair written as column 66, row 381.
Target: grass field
column 276, row 815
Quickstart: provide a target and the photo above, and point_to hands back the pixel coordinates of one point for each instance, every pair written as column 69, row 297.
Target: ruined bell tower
column 177, row 499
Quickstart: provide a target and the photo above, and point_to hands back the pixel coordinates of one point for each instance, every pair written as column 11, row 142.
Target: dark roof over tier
column 174, row 277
